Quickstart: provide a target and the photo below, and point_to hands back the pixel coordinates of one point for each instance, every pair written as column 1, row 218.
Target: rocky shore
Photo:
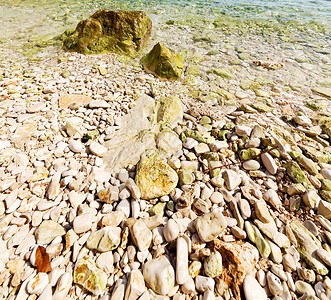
column 118, row 185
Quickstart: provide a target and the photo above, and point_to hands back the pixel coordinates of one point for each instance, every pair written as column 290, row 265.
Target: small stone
column 141, row 235
column 134, row 189
column 210, row 225
column 74, row 125
column 97, row 149
column 302, row 288
column 105, row 239
column 37, row 284
column 90, row 277
column 324, row 255
column 48, row 231
column 213, row 264
column 135, row 286
column 170, row 230
column 105, row 262
column 217, row 198
column 64, row 283
column 269, row 163
column 181, row 261
column 272, row 197
column 159, row 275
column 253, row 290
column 74, row 100
column 243, row 130
column 251, row 165
column 324, row 209
column 83, row 223
column 232, row 179
column 311, row 199
column 76, row 146
column 203, row 283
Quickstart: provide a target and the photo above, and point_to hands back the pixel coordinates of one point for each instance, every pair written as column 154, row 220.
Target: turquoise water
column 25, row 24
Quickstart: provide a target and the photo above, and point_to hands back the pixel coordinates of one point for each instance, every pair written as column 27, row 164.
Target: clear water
column 24, row 23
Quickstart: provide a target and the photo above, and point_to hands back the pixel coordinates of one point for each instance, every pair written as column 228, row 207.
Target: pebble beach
column 118, row 184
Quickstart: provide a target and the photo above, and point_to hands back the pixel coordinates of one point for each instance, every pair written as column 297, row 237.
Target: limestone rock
column 123, row 32
column 253, row 290
column 164, row 62
column 168, row 142
column 105, row 239
column 210, row 225
column 136, row 285
column 74, row 100
column 169, row 110
column 238, row 260
column 90, row 277
column 47, row 231
column 294, row 171
column 213, row 264
column 141, row 235
column 159, row 275
column 154, row 177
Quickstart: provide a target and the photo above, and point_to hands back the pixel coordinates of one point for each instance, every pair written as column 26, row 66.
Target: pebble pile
column 237, row 205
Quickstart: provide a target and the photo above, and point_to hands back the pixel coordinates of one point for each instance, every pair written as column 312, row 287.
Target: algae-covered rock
column 213, row 265
column 155, row 178
column 90, row 277
column 163, row 62
column 294, row 171
column 169, row 110
column 105, row 239
column 123, row 32
column 307, row 245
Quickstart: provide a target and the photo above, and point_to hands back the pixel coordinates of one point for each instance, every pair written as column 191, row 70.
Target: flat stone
column 269, row 163
column 83, row 223
column 170, row 230
column 88, row 275
column 251, row 165
column 232, row 179
column 37, row 284
column 135, row 286
column 324, row 209
column 105, row 239
column 76, row 146
column 181, row 261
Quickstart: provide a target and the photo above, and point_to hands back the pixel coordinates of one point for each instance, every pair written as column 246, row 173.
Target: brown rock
column 238, row 260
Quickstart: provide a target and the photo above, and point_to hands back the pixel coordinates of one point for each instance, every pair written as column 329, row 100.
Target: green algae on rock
column 155, row 178
column 122, row 32
column 164, row 62
column 294, row 171
column 90, row 277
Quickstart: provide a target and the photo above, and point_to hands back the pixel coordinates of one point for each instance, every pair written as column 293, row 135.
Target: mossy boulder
column 164, row 62
column 123, row 32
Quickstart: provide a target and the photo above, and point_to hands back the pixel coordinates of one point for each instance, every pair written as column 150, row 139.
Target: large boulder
column 123, row 32
column 163, row 62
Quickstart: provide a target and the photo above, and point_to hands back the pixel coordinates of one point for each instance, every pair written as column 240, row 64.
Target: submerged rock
column 123, row 32
column 164, row 62
column 155, row 178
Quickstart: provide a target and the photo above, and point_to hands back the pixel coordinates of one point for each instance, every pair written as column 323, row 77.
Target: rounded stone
column 251, row 165
column 253, row 290
column 213, row 265
column 76, row 146
column 171, row 230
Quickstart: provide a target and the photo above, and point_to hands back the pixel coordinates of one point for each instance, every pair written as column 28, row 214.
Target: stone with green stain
column 89, row 276
column 47, row 231
column 308, row 164
column 222, row 134
column 169, row 110
column 93, row 134
column 157, row 209
column 326, row 195
column 257, row 238
column 194, row 134
column 221, row 72
column 154, row 177
column 325, row 184
column 163, row 62
column 262, row 107
column 316, row 155
column 316, row 104
column 294, row 171
column 105, row 239
column 123, row 32
column 307, row 245
column 213, row 265
column 323, row 91
column 215, row 168
column 185, row 177
column 247, row 154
